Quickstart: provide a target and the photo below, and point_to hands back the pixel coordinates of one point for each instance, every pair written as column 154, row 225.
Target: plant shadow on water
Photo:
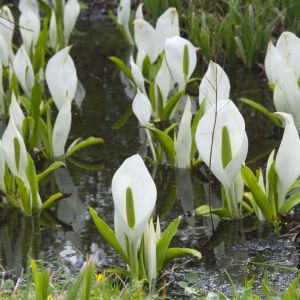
column 232, row 246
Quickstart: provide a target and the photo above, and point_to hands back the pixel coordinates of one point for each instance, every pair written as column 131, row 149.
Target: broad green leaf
column 33, row 182
column 122, row 67
column 290, row 203
column 51, row 168
column 130, row 212
column 205, row 210
column 295, row 185
column 258, row 194
column 166, row 143
column 107, row 234
column 84, row 144
column 226, row 153
column 177, row 252
column 164, row 242
column 24, row 197
column 275, row 118
column 272, row 193
column 41, row 281
column 50, row 201
column 171, row 104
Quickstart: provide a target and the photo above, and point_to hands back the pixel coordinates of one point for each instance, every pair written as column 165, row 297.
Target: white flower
column 141, row 107
column 71, row 13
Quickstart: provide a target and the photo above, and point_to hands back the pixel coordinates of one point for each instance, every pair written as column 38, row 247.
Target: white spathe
column 53, row 30
column 133, row 174
column 123, row 17
column 227, row 115
column 7, row 27
column 30, row 27
column 71, row 13
column 287, row 95
column 163, row 82
column 2, row 168
column 16, row 112
column 24, row 71
column 174, row 53
column 61, row 129
column 4, row 50
column 10, row 135
column 137, row 75
column 141, row 107
column 287, row 162
column 149, row 40
column 61, row 77
column 184, row 138
column 285, row 54
column 32, row 4
column 214, row 86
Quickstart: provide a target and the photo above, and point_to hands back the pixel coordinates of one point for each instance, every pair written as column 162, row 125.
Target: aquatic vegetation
column 223, row 145
column 276, row 196
column 144, row 248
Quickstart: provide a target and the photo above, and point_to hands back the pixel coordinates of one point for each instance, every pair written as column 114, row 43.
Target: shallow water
column 66, row 235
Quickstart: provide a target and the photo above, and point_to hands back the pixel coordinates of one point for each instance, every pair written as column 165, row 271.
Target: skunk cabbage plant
column 123, row 18
column 134, row 239
column 273, row 197
column 223, row 145
column 181, row 59
column 214, row 86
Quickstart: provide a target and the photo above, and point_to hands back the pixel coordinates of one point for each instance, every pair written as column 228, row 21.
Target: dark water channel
column 66, row 235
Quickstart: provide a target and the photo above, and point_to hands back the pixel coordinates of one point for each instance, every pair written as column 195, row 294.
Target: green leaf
column 130, row 212
column 107, row 234
column 166, row 143
column 122, row 67
column 33, row 181
column 295, row 185
column 51, row 168
column 88, row 279
column 226, row 147
column 275, row 118
column 24, row 197
column 171, row 104
column 258, row 194
column 173, row 253
column 84, row 144
column 290, row 203
column 205, row 210
column 50, row 201
column 41, row 281
column 164, row 242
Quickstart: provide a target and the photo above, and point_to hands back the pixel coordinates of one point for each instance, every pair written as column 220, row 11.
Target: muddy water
column 65, row 235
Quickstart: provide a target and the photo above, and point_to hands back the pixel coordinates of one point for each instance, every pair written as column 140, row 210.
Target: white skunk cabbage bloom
column 4, row 50
column 14, row 149
column 214, row 86
column 71, row 13
column 123, row 17
column 181, row 59
column 134, row 194
column 24, row 71
column 7, row 27
column 61, row 77
column 150, row 241
column 184, row 138
column 229, row 130
column 53, row 30
column 2, row 95
column 285, row 54
column 150, row 41
column 16, row 112
column 141, row 107
column 139, row 15
column 61, row 129
column 30, row 27
column 287, row 95
column 137, row 75
column 287, row 162
column 163, row 83
column 32, row 4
